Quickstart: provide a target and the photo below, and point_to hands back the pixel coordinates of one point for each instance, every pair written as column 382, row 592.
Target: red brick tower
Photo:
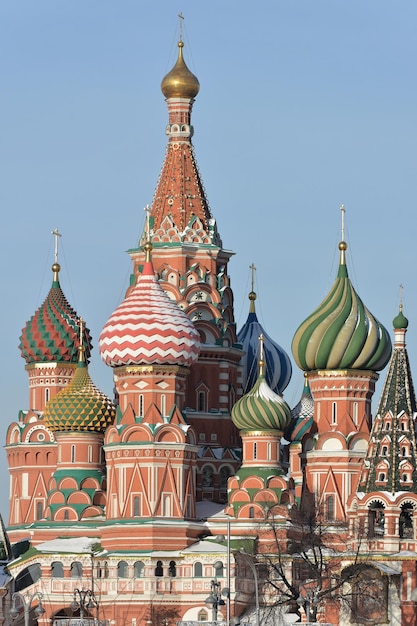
column 191, row 264
column 341, row 346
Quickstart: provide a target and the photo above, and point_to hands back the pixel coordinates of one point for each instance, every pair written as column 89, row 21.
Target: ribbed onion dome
column 149, row 328
column 302, row 416
column 278, row 368
column 51, row 334
column 400, row 321
column 180, row 82
column 261, row 408
column 341, row 333
column 80, row 406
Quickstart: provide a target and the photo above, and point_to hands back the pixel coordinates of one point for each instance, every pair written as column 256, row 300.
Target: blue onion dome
column 302, row 416
column 341, row 333
column 261, row 408
column 278, row 368
column 400, row 321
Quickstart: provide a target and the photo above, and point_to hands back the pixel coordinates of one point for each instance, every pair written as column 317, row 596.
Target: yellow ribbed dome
column 180, row 82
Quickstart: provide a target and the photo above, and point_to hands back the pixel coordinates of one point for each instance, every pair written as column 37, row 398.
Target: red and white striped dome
column 149, row 328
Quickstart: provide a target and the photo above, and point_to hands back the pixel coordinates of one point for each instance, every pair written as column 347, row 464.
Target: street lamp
column 215, row 599
column 86, row 600
column 252, row 565
column 26, row 603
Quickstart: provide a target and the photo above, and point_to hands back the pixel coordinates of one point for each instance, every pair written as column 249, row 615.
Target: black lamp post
column 25, row 601
column 83, row 599
column 215, row 599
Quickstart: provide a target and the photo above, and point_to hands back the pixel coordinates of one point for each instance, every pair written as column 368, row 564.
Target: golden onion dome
column 180, row 82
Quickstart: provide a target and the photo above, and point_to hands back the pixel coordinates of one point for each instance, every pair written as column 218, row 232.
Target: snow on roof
column 205, row 546
column 206, row 508
column 75, row 545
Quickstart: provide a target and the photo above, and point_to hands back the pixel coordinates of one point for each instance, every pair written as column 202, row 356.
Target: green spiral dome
column 80, row 406
column 261, row 409
column 341, row 333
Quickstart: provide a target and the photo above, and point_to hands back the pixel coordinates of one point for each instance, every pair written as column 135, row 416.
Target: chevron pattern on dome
column 51, row 334
column 302, row 416
column 80, row 406
column 149, row 328
column 341, row 333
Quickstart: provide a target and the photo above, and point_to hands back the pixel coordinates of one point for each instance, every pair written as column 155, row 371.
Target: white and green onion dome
column 261, row 408
column 341, row 333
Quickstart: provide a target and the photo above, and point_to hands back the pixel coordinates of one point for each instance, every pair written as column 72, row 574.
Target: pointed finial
column 343, row 244
column 261, row 356
column 56, row 266
column 181, row 18
column 81, row 349
column 401, row 297
column 252, row 295
column 148, row 245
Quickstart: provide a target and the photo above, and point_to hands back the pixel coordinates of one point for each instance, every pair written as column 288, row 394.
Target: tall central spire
column 180, row 210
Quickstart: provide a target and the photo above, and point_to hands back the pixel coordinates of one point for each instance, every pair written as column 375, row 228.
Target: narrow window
column 139, row 569
column 136, row 506
column 39, row 510
column 198, row 570
column 141, row 405
column 384, row 450
column 334, row 413
column 355, row 413
column 122, row 569
column 159, row 571
column 172, row 569
column 47, row 395
column 72, row 454
column 163, row 405
column 255, row 450
column 90, row 454
column 330, row 508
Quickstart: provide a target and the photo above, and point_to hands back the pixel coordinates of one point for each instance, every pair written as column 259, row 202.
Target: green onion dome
column 180, row 82
column 80, row 406
column 261, row 408
column 400, row 321
column 341, row 333
column 51, row 334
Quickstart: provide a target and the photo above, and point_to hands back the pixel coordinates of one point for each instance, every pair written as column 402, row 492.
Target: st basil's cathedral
column 173, row 501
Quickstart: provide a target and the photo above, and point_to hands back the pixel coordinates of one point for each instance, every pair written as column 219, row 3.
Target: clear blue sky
column 303, row 105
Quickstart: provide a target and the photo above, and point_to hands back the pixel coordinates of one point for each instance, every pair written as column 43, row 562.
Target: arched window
column 122, row 569
column 39, row 510
column 202, row 616
column 376, row 520
column 251, row 512
column 139, row 569
column 66, row 515
column 406, row 522
column 381, row 476
column 172, row 569
column 207, row 476
column 404, row 451
column 330, row 508
column 57, row 569
column 202, row 405
column 384, row 450
column 159, row 570
column 198, row 570
column 355, row 413
column 225, row 472
column 163, row 405
column 218, row 569
column 136, row 506
column 106, row 569
column 99, row 571
column 76, row 570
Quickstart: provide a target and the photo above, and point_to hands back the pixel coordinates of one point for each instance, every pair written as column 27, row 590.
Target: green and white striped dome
column 341, row 333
